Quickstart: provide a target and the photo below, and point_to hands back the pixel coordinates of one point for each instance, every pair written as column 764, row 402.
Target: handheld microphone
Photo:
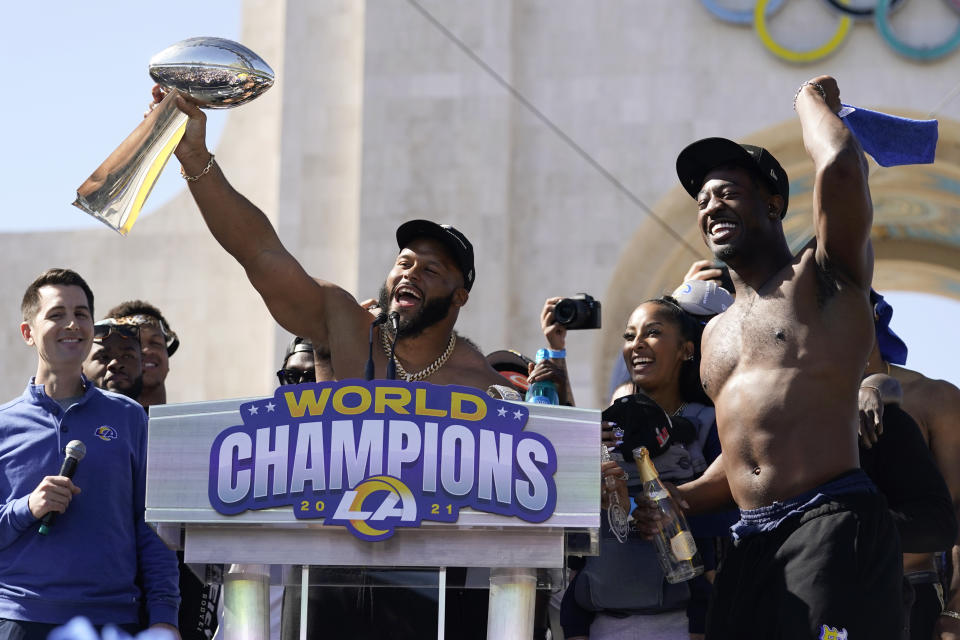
column 394, row 318
column 75, row 451
column 379, row 320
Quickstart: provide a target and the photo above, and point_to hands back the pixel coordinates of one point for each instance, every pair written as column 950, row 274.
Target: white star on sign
column 501, row 412
column 270, row 407
column 253, row 410
column 517, row 414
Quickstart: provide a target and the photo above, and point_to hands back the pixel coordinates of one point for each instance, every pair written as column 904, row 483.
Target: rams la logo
column 106, row 433
column 397, row 509
column 832, row 633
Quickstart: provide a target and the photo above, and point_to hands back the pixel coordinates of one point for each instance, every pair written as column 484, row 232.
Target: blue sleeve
column 156, row 564
column 15, row 518
column 706, row 419
column 711, row 446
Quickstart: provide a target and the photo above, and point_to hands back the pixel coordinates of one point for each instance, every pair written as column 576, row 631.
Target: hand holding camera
column 560, row 315
column 580, row 311
column 553, row 331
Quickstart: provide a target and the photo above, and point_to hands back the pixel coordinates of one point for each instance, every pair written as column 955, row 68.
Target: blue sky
column 77, row 84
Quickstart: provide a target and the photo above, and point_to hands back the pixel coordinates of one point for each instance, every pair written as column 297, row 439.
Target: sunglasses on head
column 143, row 320
column 296, row 376
column 104, row 328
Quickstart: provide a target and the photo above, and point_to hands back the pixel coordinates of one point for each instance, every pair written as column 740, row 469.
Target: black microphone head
column 380, row 319
column 76, row 450
column 394, row 320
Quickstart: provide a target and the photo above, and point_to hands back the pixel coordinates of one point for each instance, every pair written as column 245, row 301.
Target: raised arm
column 556, row 335
column 842, row 210
column 302, row 305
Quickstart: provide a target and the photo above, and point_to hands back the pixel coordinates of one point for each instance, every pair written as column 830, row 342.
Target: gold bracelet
column 205, row 171
column 950, row 614
column 808, row 83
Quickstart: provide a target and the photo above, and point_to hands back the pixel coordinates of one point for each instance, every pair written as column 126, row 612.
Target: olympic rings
column 791, row 55
column 880, row 12
column 861, row 12
column 925, row 53
column 741, row 16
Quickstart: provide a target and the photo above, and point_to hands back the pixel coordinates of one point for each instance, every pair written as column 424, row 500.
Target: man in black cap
column 816, row 553
column 428, row 284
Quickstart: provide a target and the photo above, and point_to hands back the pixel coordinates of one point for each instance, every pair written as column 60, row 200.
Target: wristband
column 950, row 614
column 556, row 355
column 867, row 386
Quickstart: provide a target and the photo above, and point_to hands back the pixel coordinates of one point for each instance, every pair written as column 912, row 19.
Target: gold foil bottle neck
column 645, row 465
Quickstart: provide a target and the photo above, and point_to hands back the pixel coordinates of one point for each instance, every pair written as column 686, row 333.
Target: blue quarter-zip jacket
column 90, row 561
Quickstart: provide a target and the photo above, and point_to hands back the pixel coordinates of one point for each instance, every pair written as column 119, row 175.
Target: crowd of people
column 820, row 476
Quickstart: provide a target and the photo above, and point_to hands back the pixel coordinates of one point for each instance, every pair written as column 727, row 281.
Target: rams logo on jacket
column 106, row 433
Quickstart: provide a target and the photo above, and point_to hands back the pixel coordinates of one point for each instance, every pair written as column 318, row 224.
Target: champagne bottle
column 616, row 514
column 542, row 391
column 678, row 553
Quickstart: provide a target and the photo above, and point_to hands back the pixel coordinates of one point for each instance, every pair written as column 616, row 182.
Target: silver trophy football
column 218, row 74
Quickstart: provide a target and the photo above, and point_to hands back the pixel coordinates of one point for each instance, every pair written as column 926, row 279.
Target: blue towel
column 892, row 348
column 892, row 140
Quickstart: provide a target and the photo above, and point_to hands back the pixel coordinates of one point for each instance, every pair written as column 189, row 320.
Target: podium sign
column 382, row 473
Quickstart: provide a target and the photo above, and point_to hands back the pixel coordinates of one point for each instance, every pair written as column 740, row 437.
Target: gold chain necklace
column 423, row 373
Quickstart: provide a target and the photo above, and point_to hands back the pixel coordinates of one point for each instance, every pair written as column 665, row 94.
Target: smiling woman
column 663, row 408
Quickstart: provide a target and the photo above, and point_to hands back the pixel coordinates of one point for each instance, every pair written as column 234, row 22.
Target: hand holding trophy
column 217, row 74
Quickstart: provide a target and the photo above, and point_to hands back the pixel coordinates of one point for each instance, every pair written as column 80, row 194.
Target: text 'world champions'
column 372, row 456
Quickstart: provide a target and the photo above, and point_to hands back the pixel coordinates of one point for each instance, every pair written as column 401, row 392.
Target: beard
column 132, row 392
column 431, row 312
column 726, row 253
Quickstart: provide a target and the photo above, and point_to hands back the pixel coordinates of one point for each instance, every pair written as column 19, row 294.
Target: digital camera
column 578, row 312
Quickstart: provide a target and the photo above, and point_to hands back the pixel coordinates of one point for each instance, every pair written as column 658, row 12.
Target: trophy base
column 120, row 226
column 116, row 191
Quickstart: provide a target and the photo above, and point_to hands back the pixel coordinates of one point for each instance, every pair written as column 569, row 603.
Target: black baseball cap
column 297, row 345
column 701, row 157
column 512, row 365
column 455, row 242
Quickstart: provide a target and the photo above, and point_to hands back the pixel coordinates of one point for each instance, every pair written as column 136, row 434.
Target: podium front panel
column 178, row 466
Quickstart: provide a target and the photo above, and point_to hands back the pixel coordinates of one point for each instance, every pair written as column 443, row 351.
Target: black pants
column 197, row 618
column 20, row 630
column 927, row 603
column 833, row 572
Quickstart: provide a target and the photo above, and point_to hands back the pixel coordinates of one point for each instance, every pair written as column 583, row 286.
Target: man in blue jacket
column 99, row 559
